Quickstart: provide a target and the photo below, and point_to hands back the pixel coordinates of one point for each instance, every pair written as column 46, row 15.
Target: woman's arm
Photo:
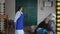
column 16, row 17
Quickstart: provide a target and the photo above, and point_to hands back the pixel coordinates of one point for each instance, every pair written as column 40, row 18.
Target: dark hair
column 19, row 8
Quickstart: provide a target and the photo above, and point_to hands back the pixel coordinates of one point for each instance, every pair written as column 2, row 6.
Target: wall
column 10, row 8
column 45, row 10
column 41, row 14
column 2, row 1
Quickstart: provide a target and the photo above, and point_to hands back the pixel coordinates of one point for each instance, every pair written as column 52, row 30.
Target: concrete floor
column 11, row 30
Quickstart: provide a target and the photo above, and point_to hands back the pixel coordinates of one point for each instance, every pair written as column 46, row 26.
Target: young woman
column 18, row 21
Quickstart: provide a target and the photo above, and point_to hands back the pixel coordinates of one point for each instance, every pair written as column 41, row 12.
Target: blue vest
column 19, row 23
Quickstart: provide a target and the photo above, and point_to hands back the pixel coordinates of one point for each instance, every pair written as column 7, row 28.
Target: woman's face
column 21, row 9
column 46, row 21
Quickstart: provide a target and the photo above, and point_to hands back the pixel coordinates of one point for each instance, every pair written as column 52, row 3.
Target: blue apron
column 19, row 23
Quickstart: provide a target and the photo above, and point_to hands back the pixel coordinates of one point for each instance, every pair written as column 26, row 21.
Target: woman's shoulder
column 17, row 12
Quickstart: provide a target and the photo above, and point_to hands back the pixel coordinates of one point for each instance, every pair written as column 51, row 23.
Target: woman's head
column 20, row 8
column 46, row 20
column 52, row 16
